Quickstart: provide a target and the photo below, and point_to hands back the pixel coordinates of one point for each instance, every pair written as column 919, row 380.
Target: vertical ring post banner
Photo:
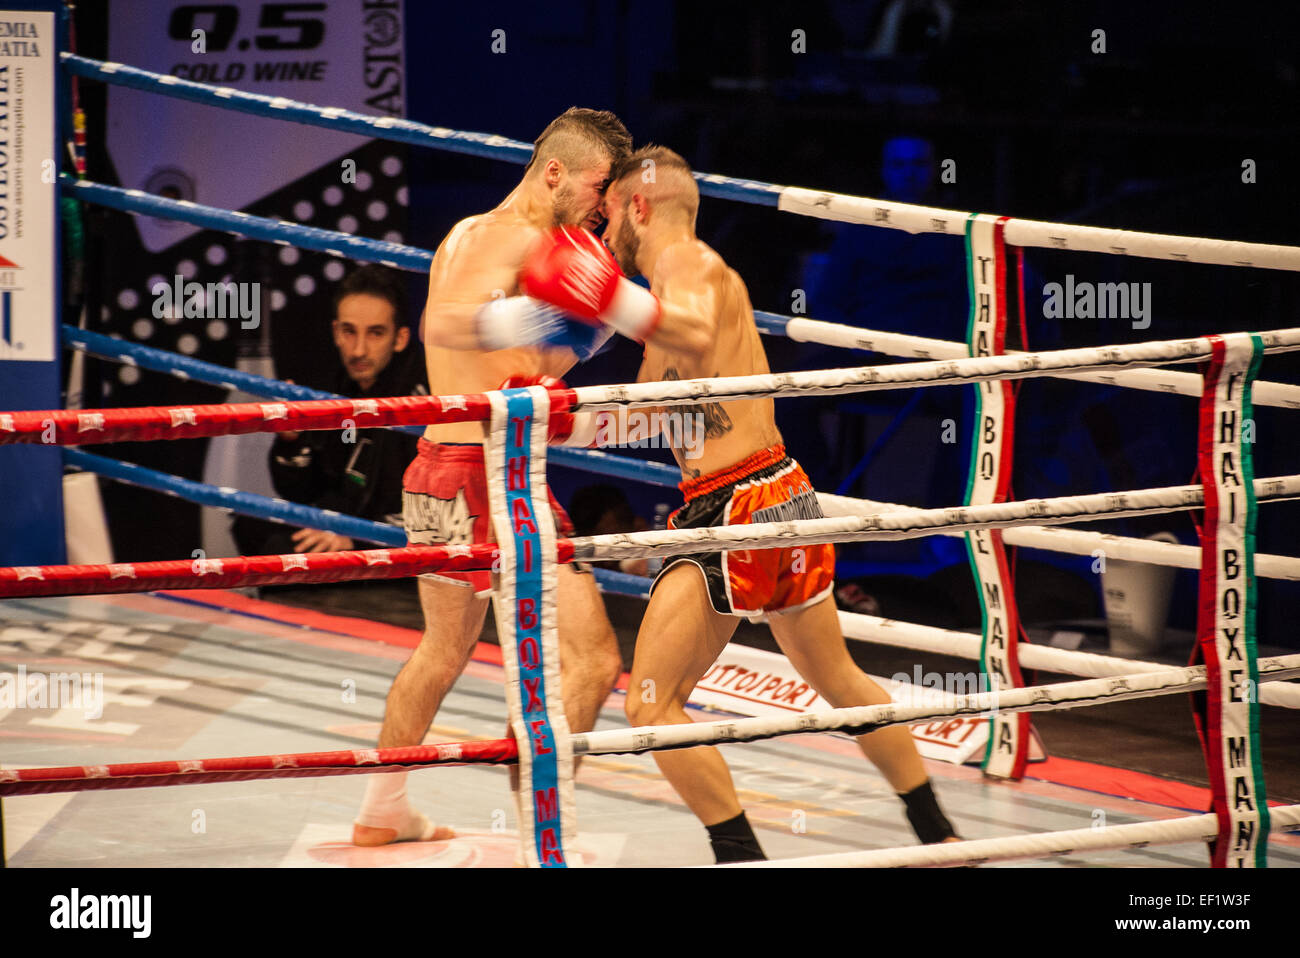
column 515, row 457
column 989, row 481
column 1227, row 712
column 31, row 92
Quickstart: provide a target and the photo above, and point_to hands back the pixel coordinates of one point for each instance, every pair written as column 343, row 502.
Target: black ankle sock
column 927, row 819
column 734, row 841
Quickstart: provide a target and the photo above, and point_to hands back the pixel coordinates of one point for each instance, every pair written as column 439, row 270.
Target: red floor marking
column 347, row 855
column 1072, row 773
column 309, row 618
column 224, row 600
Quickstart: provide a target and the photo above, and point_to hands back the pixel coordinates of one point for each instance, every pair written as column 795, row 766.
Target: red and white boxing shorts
column 445, row 502
column 768, row 486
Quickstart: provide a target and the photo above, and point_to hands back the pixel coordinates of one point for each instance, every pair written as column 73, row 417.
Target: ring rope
column 188, row 368
column 804, row 330
column 591, row 460
column 1079, row 542
column 292, row 513
column 937, row 373
column 823, row 205
column 75, row 778
column 18, row 581
column 408, row 257
column 283, row 232
column 235, row 500
column 856, row 626
column 920, row 347
column 193, row 370
column 1191, row 828
column 914, row 523
column 66, row 427
column 966, row 645
column 861, row 720
column 853, row 721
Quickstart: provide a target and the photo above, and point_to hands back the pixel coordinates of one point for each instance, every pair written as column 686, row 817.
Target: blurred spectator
column 603, row 510
column 877, row 278
column 881, row 278
column 356, row 472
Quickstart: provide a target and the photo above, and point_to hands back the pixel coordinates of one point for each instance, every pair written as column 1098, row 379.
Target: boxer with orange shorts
column 697, row 322
column 768, row 486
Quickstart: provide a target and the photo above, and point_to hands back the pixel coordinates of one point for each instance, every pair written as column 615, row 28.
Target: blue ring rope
column 290, row 513
column 379, row 127
column 160, row 360
column 245, row 503
column 254, row 227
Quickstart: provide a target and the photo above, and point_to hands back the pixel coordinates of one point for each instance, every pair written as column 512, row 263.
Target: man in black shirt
column 356, row 472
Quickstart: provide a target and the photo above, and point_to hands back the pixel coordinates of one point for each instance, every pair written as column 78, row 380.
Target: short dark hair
column 660, row 155
column 377, row 281
column 578, row 130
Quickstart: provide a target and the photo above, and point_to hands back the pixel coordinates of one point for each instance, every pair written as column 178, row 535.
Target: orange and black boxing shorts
column 768, row 486
column 445, row 502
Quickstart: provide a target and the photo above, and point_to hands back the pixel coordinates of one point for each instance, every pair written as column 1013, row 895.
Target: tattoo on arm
column 716, row 421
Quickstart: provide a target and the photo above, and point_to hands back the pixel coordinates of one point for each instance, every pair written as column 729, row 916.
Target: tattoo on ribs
column 716, row 421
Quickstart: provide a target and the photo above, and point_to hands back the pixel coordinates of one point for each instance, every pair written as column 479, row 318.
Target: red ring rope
column 75, row 778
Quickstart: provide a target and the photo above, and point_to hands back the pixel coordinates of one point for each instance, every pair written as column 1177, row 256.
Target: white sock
column 386, row 806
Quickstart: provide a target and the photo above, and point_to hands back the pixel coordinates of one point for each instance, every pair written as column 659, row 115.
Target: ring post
column 31, row 87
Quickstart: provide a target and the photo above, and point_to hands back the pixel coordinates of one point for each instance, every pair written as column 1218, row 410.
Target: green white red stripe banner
column 1227, row 712
column 989, row 481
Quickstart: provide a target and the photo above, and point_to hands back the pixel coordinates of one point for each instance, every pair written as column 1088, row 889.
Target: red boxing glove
column 560, row 427
column 572, row 269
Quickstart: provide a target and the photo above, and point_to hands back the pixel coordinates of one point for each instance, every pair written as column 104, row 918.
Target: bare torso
column 477, row 261
column 732, row 430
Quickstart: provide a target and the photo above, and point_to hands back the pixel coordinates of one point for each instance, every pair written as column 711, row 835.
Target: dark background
column 1149, row 135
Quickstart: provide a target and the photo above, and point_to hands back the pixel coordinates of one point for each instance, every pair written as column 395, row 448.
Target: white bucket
column 1137, row 598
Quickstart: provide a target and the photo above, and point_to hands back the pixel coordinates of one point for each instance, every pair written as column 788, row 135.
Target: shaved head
column 662, row 177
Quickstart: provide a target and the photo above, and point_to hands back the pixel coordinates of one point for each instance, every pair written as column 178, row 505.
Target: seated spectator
column 355, row 472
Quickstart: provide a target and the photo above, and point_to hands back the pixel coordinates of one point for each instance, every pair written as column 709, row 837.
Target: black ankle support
column 927, row 819
column 734, row 841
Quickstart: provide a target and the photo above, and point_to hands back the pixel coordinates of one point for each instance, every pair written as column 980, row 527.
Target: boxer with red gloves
column 479, row 329
column 573, row 271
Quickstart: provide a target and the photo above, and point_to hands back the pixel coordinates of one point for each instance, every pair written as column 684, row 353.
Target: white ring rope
column 943, row 373
column 921, row 347
column 1094, row 239
column 1079, row 542
column 869, row 718
column 911, row 523
column 1191, row 828
column 965, row 645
